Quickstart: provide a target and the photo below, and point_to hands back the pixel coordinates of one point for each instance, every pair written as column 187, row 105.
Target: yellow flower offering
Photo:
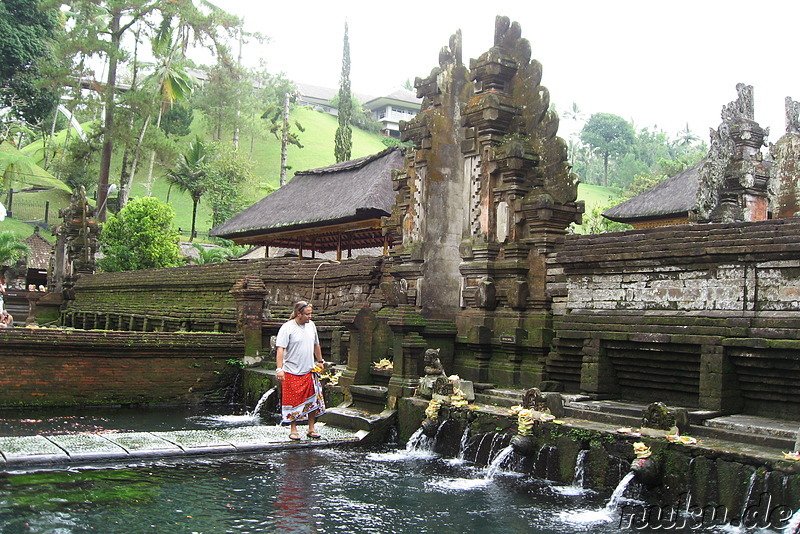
column 641, row 450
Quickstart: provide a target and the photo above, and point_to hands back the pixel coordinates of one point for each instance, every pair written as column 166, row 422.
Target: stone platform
column 766, row 434
column 21, row 452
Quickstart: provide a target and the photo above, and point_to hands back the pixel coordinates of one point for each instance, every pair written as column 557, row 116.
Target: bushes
column 140, row 236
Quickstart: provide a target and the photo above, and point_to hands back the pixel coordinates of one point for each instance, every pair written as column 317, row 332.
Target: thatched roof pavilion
column 338, row 207
column 669, row 202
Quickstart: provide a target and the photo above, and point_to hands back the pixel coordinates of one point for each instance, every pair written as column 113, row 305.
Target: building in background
column 389, row 110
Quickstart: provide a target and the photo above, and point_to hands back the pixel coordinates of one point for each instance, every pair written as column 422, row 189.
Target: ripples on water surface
column 25, row 422
column 311, row 490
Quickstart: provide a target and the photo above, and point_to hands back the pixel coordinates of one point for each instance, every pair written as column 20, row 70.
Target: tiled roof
column 39, row 256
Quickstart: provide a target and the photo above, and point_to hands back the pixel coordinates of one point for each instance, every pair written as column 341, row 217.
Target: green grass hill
column 317, row 151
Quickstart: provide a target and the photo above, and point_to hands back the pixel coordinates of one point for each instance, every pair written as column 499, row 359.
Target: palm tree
column 189, row 175
column 173, row 83
column 11, row 249
column 686, row 138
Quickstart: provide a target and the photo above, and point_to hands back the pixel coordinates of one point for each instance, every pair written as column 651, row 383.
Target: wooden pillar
column 339, row 246
column 313, row 247
column 300, row 250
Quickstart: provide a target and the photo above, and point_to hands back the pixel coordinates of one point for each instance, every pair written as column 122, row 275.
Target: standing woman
column 299, row 353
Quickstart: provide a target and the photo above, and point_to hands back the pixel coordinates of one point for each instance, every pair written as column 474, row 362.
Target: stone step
column 500, row 397
column 631, row 409
column 756, row 425
column 609, row 418
column 738, row 436
column 753, row 430
column 496, row 400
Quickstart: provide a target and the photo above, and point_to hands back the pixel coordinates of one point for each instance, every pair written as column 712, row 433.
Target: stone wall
column 72, row 367
column 198, row 297
column 702, row 315
column 729, row 479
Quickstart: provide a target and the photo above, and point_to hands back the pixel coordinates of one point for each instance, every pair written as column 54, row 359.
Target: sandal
column 313, row 435
column 294, row 437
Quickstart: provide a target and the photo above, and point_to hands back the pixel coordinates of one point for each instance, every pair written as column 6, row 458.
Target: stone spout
column 523, row 445
column 648, row 471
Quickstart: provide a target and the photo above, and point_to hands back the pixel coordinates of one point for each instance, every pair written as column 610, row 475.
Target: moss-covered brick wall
column 701, row 315
column 72, row 367
column 198, row 298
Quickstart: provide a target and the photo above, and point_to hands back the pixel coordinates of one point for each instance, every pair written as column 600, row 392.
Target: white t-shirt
column 298, row 342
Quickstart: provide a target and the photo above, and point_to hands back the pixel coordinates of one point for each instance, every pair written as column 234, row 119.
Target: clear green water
column 323, row 490
column 311, row 490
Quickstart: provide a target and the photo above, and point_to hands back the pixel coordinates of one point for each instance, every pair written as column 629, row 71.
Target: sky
column 657, row 64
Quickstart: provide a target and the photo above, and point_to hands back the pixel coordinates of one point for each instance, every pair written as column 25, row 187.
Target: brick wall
column 704, row 315
column 72, row 367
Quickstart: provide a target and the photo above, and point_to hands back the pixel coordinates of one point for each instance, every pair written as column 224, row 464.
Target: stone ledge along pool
column 77, row 450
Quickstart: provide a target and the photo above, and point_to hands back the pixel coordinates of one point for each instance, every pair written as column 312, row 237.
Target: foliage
column 169, row 78
column 227, row 176
column 11, row 249
column 177, row 121
column 675, row 157
column 189, row 174
column 206, row 255
column 140, row 236
column 595, row 223
column 360, row 117
column 344, row 135
column 28, row 34
column 393, row 141
column 612, row 135
column 216, row 99
column 666, row 168
column 15, row 166
column 644, row 155
column 274, row 117
column 112, row 21
column 80, row 163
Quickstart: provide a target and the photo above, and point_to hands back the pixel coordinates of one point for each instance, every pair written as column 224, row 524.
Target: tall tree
column 113, row 19
column 278, row 121
column 189, row 176
column 344, row 134
column 612, row 135
column 171, row 80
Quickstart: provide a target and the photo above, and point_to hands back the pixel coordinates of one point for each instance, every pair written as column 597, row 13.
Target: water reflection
column 295, row 503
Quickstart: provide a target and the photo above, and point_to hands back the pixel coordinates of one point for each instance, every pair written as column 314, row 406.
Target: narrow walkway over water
column 81, row 449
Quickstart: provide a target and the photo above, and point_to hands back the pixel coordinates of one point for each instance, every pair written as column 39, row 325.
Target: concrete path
column 81, row 449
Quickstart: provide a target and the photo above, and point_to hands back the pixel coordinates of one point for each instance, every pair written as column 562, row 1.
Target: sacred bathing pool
column 489, row 370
